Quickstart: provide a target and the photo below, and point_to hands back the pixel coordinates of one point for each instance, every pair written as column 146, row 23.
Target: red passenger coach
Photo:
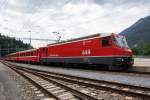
column 29, row 56
column 12, row 57
column 109, row 50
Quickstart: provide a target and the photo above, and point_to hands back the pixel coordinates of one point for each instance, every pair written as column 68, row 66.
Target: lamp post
column 30, row 37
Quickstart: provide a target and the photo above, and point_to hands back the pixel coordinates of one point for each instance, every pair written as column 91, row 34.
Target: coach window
column 105, row 41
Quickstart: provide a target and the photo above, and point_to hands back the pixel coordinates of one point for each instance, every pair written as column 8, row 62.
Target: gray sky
column 72, row 18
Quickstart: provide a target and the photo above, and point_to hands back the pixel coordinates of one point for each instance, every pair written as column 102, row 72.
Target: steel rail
column 97, row 81
column 76, row 93
column 96, row 86
column 46, row 92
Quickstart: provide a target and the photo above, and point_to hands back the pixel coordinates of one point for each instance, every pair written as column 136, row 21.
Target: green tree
column 10, row 45
column 142, row 48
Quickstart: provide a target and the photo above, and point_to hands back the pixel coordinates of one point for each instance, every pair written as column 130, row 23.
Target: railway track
column 51, row 87
column 69, row 82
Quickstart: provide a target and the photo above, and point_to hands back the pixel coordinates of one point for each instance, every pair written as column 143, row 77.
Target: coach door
column 44, row 52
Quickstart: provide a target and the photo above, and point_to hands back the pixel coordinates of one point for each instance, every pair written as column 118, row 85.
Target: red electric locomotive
column 98, row 49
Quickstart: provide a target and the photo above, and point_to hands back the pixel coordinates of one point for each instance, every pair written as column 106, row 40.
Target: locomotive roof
column 85, row 37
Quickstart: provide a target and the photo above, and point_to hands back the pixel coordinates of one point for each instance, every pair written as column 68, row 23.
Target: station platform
column 8, row 87
column 141, row 64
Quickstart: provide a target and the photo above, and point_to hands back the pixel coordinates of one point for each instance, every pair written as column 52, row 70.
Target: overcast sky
column 72, row 18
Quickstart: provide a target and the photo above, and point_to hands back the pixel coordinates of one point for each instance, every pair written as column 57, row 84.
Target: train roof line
column 71, row 40
column 81, row 38
column 26, row 50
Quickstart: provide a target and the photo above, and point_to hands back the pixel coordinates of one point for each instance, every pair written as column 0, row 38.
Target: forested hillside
column 10, row 45
column 138, row 36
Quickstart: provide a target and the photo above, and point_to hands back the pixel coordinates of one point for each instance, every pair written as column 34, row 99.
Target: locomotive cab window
column 105, row 41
